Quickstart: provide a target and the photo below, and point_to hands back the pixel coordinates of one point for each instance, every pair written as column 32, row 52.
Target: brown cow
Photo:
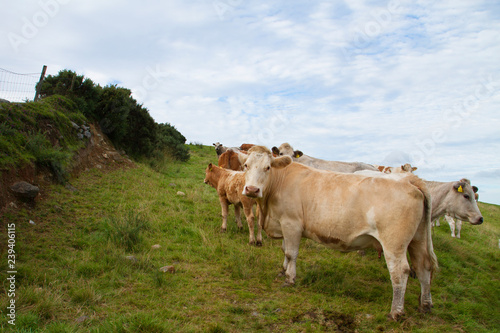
column 246, row 146
column 231, row 160
column 229, row 185
column 347, row 212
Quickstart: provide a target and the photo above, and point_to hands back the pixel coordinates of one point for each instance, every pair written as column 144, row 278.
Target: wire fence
column 16, row 87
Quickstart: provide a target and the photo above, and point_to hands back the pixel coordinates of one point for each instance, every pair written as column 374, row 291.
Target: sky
column 382, row 82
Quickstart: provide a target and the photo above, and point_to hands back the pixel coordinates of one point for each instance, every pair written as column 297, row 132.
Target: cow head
column 219, row 148
column 464, row 202
column 208, row 175
column 408, row 168
column 259, row 165
column 286, row 150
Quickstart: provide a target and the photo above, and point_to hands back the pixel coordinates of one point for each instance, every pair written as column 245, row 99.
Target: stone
column 25, row 191
column 181, row 193
column 156, row 246
column 167, row 269
column 82, row 319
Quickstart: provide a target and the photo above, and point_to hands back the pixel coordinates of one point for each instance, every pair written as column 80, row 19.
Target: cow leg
column 250, row 221
column 451, row 222
column 259, row 228
column 237, row 213
column 285, row 262
column 224, row 205
column 291, row 242
column 399, row 271
column 459, row 227
column 422, row 265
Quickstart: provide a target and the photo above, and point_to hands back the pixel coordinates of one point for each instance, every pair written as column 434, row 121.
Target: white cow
column 347, row 212
column 448, row 216
column 298, row 156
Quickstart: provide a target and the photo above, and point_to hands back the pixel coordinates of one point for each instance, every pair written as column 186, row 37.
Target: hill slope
column 88, row 264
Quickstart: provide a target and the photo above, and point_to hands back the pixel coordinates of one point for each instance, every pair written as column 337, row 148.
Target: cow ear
column 276, row 151
column 475, row 189
column 414, row 168
column 297, row 153
column 459, row 186
column 281, row 162
column 210, row 165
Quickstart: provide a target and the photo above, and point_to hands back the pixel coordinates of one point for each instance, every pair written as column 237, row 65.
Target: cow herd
column 347, row 206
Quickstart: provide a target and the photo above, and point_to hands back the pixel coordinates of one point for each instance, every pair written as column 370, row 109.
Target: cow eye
column 245, row 166
column 466, row 196
column 281, row 154
column 268, row 168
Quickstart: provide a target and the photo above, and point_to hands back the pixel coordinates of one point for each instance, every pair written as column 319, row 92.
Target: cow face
column 286, row 150
column 464, row 202
column 258, row 168
column 208, row 173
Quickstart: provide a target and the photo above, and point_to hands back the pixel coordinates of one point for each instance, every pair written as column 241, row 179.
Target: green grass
column 93, row 259
column 39, row 132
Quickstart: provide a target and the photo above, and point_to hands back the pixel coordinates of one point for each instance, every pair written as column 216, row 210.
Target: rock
column 80, row 136
column 75, row 126
column 87, row 134
column 167, row 269
column 25, row 191
column 32, row 222
column 156, row 246
column 13, row 205
column 4, row 100
column 82, row 319
column 181, row 193
column 116, row 156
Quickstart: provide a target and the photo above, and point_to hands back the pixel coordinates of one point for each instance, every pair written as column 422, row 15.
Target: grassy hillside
column 87, row 265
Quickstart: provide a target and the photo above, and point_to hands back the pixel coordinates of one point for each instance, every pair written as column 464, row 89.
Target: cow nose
column 480, row 220
column 252, row 190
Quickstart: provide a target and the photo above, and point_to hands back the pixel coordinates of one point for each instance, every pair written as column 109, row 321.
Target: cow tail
column 427, row 220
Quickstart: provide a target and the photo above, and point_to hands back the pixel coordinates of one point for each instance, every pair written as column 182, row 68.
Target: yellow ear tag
column 297, row 156
column 460, row 189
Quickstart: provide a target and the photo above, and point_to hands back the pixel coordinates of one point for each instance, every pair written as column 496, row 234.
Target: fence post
column 39, row 84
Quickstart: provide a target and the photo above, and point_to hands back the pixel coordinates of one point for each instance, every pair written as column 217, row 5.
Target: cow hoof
column 286, row 284
column 425, row 308
column 259, row 243
column 222, row 229
column 397, row 316
column 282, row 273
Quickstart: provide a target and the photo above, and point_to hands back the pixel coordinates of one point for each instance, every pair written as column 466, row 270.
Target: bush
column 128, row 124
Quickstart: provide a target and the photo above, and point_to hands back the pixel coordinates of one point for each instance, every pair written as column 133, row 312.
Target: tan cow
column 297, row 156
column 347, row 212
column 229, row 185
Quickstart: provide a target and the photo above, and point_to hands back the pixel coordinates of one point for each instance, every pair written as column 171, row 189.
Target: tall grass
column 88, row 265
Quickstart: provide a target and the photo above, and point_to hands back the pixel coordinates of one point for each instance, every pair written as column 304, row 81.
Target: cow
column 246, row 146
column 298, row 156
column 347, row 212
column 403, row 168
column 455, row 199
column 219, row 148
column 231, row 159
column 229, row 185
